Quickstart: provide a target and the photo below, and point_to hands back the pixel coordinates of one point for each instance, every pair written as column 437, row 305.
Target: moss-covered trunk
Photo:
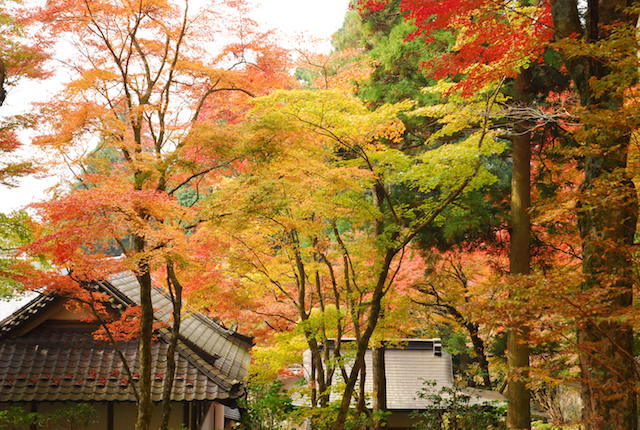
column 607, row 212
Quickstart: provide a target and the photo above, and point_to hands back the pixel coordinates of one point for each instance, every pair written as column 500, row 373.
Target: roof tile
column 57, row 364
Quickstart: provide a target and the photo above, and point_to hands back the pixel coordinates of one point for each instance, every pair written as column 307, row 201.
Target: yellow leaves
column 267, row 361
column 300, row 134
column 558, row 211
column 335, row 117
column 457, row 113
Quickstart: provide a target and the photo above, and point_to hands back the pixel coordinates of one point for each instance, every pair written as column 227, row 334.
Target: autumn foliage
column 365, row 197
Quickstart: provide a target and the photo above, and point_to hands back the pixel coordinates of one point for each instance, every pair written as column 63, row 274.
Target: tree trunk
column 379, row 383
column 319, row 390
column 379, row 379
column 607, row 227
column 607, row 217
column 519, row 411
column 3, row 76
column 362, row 393
column 175, row 291
column 143, row 421
column 479, row 350
column 363, row 342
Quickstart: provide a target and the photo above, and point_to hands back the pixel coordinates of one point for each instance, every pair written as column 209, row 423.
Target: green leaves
column 14, row 232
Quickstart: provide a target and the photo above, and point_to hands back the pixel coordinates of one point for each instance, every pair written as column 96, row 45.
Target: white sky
column 311, row 18
column 291, row 18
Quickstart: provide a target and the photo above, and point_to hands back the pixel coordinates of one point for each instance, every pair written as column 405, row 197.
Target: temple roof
column 55, row 362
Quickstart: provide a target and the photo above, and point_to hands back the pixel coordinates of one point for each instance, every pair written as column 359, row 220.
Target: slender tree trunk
column 479, row 350
column 379, row 382
column 363, row 342
column 324, row 355
column 519, row 411
column 329, row 371
column 175, row 291
column 379, row 379
column 319, row 388
column 362, row 394
column 314, row 382
column 143, row 421
column 3, row 76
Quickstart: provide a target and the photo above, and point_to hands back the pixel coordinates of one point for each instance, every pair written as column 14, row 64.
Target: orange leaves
column 341, row 70
column 148, row 126
column 87, row 225
column 70, row 121
column 90, row 79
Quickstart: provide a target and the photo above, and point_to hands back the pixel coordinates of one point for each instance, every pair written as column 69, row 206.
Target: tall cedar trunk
column 143, row 421
column 379, row 382
column 606, row 346
column 607, row 217
column 175, row 291
column 519, row 411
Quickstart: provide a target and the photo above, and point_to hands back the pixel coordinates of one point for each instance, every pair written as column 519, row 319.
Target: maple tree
column 15, row 232
column 314, row 244
column 148, row 83
column 22, row 56
column 601, row 81
column 454, row 289
column 494, row 39
column 400, row 55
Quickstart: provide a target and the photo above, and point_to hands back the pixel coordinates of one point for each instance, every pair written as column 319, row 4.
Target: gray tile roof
column 24, row 314
column 198, row 331
column 55, row 363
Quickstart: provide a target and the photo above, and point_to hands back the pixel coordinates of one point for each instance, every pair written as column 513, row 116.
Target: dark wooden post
column 110, row 416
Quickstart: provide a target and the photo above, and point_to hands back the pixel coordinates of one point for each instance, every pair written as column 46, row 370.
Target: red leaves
column 8, row 140
column 125, row 328
column 494, row 39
